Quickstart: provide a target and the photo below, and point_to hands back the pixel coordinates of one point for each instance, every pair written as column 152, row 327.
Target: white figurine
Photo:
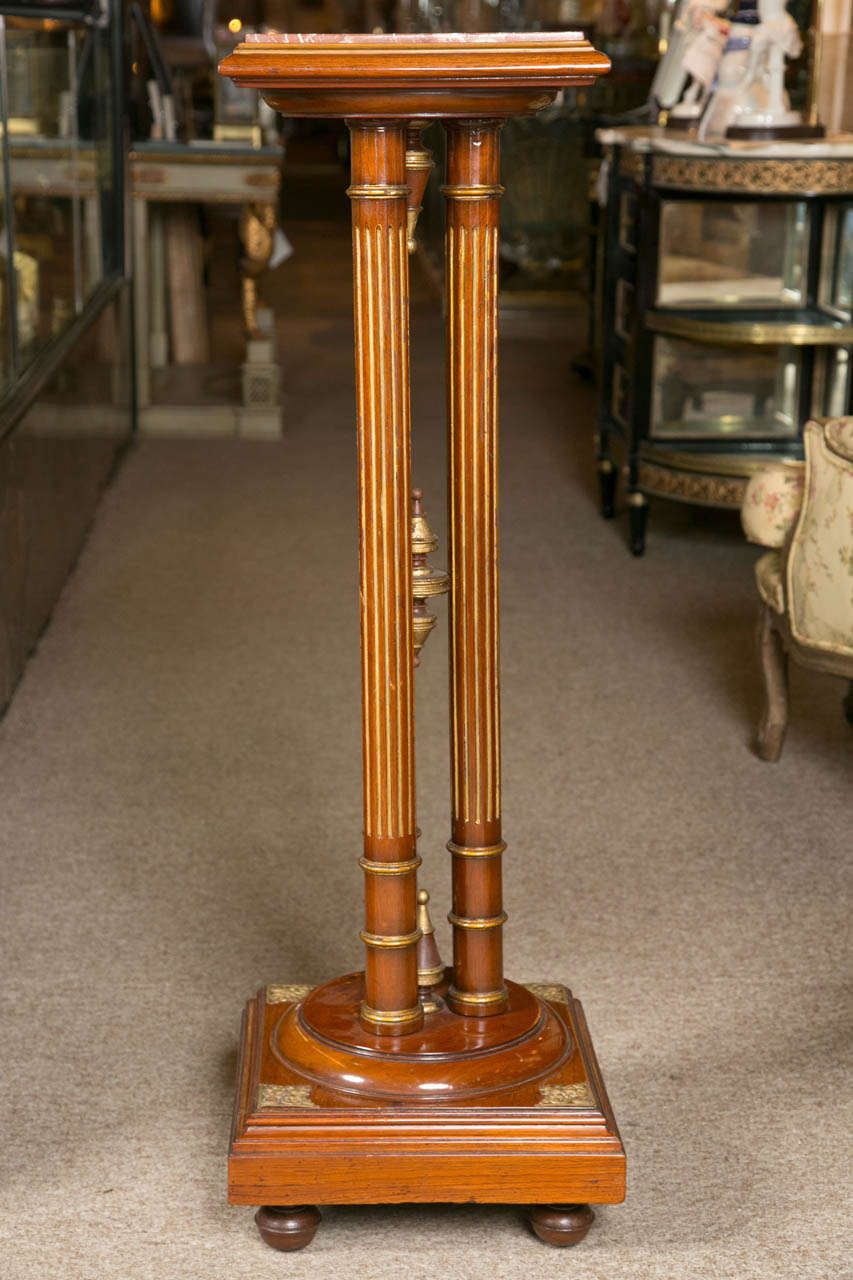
column 695, row 42
column 764, row 101
column 749, row 100
column 703, row 37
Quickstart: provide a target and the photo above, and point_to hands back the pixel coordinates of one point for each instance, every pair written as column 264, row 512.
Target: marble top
column 647, row 139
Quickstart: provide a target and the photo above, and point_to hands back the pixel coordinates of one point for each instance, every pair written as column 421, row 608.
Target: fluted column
column 378, row 193
column 471, row 249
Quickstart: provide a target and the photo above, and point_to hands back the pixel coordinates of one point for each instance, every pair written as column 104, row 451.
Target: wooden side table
column 406, row 1082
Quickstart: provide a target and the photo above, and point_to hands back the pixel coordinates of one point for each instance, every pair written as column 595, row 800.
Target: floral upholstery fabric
column 839, row 437
column 770, row 580
column 772, row 502
column 819, row 572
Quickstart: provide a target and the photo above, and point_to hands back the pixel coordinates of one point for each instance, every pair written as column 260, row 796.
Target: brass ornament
column 566, row 1095
column 257, row 234
column 426, row 581
column 430, row 966
column 419, row 165
column 284, row 1095
column 287, row 992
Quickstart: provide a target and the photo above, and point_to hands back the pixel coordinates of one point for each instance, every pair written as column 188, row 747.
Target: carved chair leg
column 561, row 1224
column 774, row 668
column 607, row 478
column 287, row 1228
column 847, row 704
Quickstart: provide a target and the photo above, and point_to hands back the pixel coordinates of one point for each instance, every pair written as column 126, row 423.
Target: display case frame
column 67, row 404
column 647, row 173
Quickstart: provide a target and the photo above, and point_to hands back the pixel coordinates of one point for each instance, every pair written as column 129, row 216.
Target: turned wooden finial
column 419, row 165
column 430, row 967
column 426, row 581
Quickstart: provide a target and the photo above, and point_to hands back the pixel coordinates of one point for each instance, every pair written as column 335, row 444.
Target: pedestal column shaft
column 471, row 250
column 378, row 195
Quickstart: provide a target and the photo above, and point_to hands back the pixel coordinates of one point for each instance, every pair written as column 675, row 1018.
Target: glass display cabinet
column 65, row 337
column 726, row 298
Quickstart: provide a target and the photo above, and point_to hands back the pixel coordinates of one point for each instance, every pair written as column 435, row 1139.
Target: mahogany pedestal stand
column 373, row 1088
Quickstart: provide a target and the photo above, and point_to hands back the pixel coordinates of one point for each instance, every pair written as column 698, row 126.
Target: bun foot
column 287, row 1228
column 561, row 1224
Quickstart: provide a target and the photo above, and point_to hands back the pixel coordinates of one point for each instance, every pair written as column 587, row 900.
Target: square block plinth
column 287, row 1149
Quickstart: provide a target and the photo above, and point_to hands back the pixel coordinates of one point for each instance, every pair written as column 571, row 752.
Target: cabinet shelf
column 804, row 327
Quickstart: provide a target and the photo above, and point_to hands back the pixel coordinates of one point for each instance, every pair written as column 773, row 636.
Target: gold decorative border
column 767, row 177
column 548, row 991
column 705, row 490
column 287, row 992
column 566, row 1095
column 284, row 1095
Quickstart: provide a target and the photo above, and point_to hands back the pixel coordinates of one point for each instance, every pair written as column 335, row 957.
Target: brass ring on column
column 389, row 1017
column 489, row 191
column 379, row 191
column 391, row 940
column 488, row 851
column 477, row 997
column 390, row 868
column 486, row 922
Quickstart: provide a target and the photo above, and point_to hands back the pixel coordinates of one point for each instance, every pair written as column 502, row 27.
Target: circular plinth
column 451, row 1059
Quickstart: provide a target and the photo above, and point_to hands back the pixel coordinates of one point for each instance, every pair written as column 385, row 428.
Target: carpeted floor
column 181, row 813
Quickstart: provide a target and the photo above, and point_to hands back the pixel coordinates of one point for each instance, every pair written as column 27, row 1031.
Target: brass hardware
column 485, row 922
column 284, row 1095
column 286, row 992
column 483, row 998
column 391, row 940
column 637, row 499
column 566, row 1095
column 430, row 967
column 426, row 581
column 749, row 333
column 390, row 868
column 491, row 191
column 419, row 165
column 490, row 851
column 389, row 1017
column 378, row 191
column 548, row 991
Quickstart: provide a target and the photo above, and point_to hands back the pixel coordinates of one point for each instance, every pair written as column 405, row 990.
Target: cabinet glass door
column 724, row 392
column 726, row 254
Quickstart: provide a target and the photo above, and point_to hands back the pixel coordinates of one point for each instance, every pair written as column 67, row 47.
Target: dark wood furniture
column 403, row 1082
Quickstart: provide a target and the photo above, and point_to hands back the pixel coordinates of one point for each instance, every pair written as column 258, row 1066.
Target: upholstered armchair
column 804, row 513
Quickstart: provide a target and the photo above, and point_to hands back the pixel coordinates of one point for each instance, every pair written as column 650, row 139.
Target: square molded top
column 403, row 76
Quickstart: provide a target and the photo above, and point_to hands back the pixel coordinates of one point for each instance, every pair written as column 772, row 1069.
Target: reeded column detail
column 471, row 261
column 381, row 274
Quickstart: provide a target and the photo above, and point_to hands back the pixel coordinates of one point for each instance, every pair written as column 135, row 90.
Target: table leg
column 378, row 193
column 471, row 248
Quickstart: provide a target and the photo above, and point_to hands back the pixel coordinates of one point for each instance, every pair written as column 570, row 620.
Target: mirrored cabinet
column 726, row 301
column 65, row 319
column 59, row 174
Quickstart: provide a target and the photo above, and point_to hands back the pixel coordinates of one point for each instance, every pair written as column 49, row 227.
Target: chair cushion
column 769, row 580
column 819, row 578
column 771, row 503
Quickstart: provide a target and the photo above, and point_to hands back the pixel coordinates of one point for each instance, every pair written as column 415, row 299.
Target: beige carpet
column 180, row 819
